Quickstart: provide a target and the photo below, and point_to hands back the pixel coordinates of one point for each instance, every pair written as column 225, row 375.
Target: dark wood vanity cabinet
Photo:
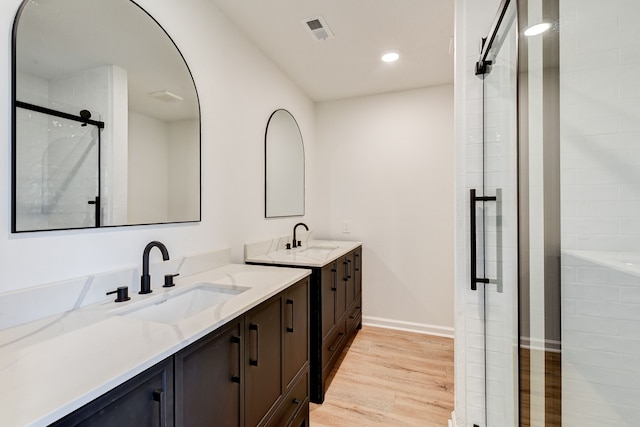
column 336, row 313
column 208, row 386
column 296, row 336
column 337, row 298
column 354, row 307
column 144, row 401
column 254, row 371
column 263, row 354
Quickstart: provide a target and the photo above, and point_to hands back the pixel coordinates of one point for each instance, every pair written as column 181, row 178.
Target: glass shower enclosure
column 58, row 183
column 556, row 226
column 494, row 221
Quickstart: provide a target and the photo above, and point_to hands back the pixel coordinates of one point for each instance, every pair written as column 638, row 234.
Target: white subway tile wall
column 600, row 192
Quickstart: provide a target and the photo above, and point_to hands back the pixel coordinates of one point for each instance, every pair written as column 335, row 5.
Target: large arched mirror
column 284, row 166
column 106, row 124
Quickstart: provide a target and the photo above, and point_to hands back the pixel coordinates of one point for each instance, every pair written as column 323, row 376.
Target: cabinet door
column 349, row 280
column 296, row 331
column 301, row 419
column 357, row 267
column 343, row 280
column 329, row 290
column 208, row 380
column 263, row 352
column 144, row 401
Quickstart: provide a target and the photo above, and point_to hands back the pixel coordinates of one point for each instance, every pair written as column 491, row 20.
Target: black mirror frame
column 14, row 33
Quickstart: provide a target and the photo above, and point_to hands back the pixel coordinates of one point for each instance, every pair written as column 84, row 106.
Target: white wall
column 386, row 163
column 184, row 181
column 239, row 88
column 148, row 161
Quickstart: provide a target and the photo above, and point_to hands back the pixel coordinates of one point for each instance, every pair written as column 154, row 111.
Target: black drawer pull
column 158, row 396
column 297, row 401
column 290, row 329
column 254, row 327
column 334, row 346
column 345, row 278
column 236, row 377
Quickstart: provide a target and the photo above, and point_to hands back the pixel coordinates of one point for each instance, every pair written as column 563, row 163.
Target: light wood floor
column 390, row 378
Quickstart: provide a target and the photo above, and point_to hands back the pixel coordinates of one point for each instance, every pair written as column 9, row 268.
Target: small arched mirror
column 284, row 166
column 106, row 123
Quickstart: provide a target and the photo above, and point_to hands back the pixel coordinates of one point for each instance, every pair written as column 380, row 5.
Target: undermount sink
column 317, row 250
column 176, row 306
column 325, row 246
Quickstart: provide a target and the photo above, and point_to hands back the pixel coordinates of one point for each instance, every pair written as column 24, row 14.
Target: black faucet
column 295, row 242
column 145, row 279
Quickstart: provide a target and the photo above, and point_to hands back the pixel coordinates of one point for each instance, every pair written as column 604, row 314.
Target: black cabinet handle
column 290, row 302
column 236, row 377
column 296, row 401
column 345, row 278
column 472, row 222
column 254, row 327
column 158, row 396
column 348, row 269
column 357, row 255
column 334, row 346
column 335, row 279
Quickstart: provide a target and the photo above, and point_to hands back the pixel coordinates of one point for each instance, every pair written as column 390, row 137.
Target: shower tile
column 612, row 311
column 591, row 292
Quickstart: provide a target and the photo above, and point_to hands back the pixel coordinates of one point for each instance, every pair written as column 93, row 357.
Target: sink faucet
column 295, row 241
column 145, row 279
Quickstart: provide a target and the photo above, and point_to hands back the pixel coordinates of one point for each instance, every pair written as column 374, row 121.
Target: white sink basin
column 323, row 246
column 173, row 307
column 317, row 251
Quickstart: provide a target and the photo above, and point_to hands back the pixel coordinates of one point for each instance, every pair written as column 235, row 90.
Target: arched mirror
column 284, row 166
column 106, row 124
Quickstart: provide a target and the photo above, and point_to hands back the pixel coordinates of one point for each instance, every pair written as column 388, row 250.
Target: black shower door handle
column 472, row 221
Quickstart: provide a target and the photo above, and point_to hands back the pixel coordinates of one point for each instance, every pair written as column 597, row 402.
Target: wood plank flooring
column 389, row 378
column 552, row 383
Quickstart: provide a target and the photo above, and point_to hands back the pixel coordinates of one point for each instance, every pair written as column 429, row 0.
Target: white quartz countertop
column 314, row 253
column 53, row 366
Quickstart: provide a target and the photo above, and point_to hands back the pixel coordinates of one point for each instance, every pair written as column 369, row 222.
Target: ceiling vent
column 166, row 96
column 318, row 28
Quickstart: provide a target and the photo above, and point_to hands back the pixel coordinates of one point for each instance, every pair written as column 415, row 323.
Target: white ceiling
column 57, row 39
column 349, row 65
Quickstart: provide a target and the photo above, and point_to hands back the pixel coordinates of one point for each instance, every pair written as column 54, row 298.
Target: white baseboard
column 452, row 421
column 408, row 326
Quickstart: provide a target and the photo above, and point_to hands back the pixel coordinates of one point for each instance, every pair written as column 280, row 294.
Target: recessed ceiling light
column 534, row 30
column 390, row 57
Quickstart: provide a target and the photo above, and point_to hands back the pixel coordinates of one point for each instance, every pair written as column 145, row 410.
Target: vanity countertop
column 53, row 366
column 314, row 253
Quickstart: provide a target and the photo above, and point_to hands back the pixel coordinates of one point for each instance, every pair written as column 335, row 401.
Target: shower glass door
column 58, row 186
column 500, row 223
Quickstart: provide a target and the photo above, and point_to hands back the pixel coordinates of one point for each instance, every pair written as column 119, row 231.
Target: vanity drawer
column 295, row 401
column 354, row 316
column 332, row 345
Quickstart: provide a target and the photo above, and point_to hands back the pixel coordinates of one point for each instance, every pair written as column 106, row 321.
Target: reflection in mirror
column 284, row 166
column 106, row 119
